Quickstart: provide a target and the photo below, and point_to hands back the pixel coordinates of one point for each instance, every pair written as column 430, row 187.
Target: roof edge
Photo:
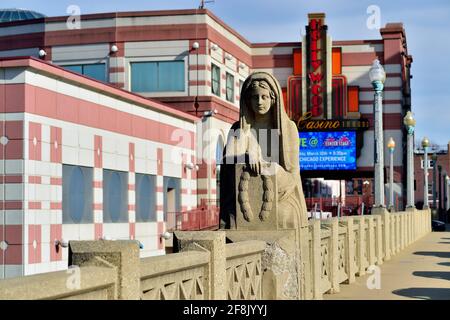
column 108, row 89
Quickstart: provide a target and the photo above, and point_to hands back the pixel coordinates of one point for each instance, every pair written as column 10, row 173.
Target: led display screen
column 328, row 150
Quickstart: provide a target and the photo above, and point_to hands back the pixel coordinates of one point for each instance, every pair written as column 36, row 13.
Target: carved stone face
column 260, row 100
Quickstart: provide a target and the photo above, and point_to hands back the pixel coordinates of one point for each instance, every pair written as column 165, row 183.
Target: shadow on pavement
column 445, row 238
column 443, row 242
column 439, row 254
column 424, row 293
column 433, row 274
column 446, row 264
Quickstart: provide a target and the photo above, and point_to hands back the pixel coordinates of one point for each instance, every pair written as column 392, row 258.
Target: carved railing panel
column 182, row 285
column 244, row 279
column 243, row 270
column 325, row 266
column 178, row 276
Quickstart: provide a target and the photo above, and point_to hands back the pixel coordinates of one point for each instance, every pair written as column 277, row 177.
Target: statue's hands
column 256, row 167
column 256, row 164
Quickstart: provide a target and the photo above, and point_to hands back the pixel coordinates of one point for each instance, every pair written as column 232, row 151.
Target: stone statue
column 260, row 175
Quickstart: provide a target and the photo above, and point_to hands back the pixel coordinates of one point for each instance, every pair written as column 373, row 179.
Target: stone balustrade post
column 386, row 219
column 371, row 239
column 361, row 247
column 121, row 254
column 214, row 242
column 393, row 235
column 399, row 235
column 410, row 240
column 316, row 260
column 405, row 230
column 334, row 255
column 378, row 240
column 350, row 248
column 402, row 231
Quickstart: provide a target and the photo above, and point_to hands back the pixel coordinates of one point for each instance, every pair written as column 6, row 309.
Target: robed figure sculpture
column 260, row 175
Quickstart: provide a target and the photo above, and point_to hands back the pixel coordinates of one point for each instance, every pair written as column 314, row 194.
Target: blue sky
column 427, row 25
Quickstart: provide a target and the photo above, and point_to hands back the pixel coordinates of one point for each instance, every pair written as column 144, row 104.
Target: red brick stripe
column 116, row 69
column 56, row 181
column 11, row 179
column 37, row 205
column 97, row 184
column 56, row 205
column 11, row 205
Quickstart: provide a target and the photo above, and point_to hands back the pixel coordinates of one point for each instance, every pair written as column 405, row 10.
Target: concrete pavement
column 421, row 271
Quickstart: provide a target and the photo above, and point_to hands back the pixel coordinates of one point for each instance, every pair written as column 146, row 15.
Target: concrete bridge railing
column 208, row 268
column 344, row 248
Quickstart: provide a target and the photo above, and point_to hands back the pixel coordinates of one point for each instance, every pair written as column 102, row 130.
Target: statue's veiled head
column 260, row 97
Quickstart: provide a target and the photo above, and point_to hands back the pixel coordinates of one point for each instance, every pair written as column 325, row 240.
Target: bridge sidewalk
column 421, row 271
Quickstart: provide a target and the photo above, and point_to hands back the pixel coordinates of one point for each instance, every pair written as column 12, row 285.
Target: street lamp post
column 434, row 158
column 425, row 144
column 377, row 77
column 440, row 191
column 447, row 197
column 410, row 124
column 391, row 147
column 444, row 194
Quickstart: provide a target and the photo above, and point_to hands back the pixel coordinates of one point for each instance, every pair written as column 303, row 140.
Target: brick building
column 442, row 161
column 111, row 103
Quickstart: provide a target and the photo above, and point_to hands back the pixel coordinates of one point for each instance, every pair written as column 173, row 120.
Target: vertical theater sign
column 316, row 65
column 324, row 107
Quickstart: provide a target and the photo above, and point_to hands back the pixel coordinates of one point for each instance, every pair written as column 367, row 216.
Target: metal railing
column 202, row 218
column 353, row 205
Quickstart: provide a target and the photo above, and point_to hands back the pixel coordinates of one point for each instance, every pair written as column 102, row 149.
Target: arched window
column 145, row 197
column 115, row 196
column 77, row 194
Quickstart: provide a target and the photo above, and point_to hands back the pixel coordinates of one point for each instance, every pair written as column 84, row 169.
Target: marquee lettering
column 306, row 122
column 315, row 76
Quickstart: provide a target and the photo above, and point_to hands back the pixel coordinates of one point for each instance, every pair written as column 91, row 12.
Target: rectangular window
column 77, row 194
column 96, row 71
column 215, row 80
column 230, row 88
column 157, row 76
column 353, row 98
column 115, row 196
column 358, row 187
column 145, row 196
column 336, row 58
column 349, row 187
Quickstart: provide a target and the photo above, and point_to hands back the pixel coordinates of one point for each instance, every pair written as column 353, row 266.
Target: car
column 437, row 225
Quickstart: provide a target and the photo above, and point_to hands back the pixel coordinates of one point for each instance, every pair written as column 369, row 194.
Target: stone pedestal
column 386, row 235
column 214, row 242
column 282, row 264
column 120, row 254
